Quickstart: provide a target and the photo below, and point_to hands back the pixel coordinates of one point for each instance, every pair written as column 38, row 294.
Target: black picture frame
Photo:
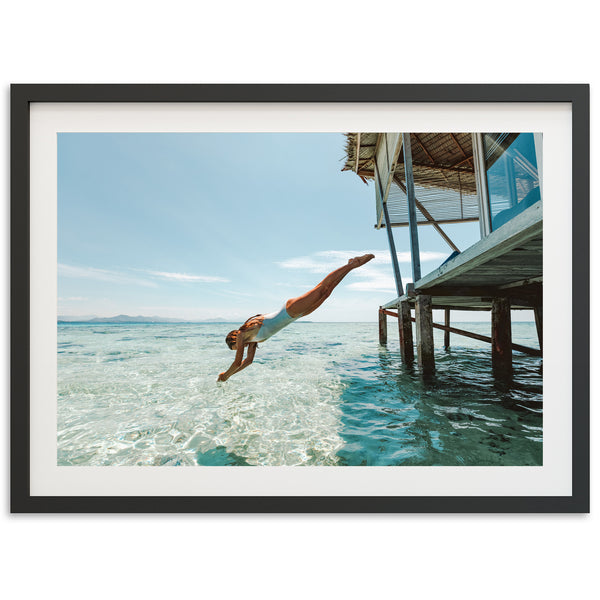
column 23, row 95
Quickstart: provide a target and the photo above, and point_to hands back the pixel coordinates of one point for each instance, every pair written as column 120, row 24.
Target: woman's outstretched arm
column 239, row 364
column 249, row 357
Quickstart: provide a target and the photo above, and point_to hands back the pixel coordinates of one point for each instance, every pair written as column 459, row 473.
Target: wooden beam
column 423, row 148
column 405, row 333
column 452, row 168
column 476, row 303
column 424, row 327
column 501, row 337
column 485, row 338
column 485, row 221
column 458, row 145
column 438, row 221
column 461, row 303
column 396, row 302
column 412, row 213
column 484, row 305
column 462, row 162
column 479, row 308
column 382, row 328
column 367, row 168
column 386, row 156
column 484, row 291
column 379, row 201
column 522, row 282
column 429, row 155
column 428, row 216
column 442, row 233
column 393, row 253
column 389, row 313
column 539, row 324
column 446, row 331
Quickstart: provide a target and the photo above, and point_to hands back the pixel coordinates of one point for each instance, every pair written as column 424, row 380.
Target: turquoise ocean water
column 317, row 394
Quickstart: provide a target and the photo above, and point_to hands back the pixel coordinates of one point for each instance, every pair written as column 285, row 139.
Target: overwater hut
column 431, row 179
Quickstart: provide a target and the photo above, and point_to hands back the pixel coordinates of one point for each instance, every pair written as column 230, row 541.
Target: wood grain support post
column 407, row 351
column 539, row 324
column 411, row 208
column 382, row 327
column 447, row 333
column 501, row 337
column 424, row 326
column 393, row 253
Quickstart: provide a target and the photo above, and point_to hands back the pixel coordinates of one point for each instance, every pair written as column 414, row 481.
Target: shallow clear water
column 317, row 394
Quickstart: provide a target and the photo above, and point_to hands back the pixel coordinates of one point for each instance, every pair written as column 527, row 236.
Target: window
column 513, row 180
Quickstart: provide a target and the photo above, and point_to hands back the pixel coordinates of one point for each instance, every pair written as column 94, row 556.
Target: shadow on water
column 219, row 457
column 461, row 415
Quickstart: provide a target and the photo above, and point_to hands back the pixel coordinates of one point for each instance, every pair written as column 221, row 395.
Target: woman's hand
column 239, row 363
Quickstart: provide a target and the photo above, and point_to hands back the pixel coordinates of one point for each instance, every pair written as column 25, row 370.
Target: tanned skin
column 295, row 307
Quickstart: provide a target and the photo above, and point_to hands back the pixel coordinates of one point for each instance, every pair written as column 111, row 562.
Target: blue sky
column 210, row 225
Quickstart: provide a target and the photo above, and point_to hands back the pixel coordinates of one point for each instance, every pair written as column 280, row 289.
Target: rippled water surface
column 317, row 394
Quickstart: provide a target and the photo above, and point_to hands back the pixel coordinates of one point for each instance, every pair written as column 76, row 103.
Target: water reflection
column 329, row 397
column 463, row 415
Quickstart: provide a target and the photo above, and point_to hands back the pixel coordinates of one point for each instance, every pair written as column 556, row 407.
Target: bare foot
column 359, row 261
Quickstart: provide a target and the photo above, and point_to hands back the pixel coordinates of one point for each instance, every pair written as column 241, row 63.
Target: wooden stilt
column 382, row 327
column 538, row 314
column 447, row 332
column 407, row 351
column 424, row 326
column 501, row 336
column 412, row 211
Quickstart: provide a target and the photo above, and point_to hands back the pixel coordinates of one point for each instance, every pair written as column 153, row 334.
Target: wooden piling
column 501, row 336
column 407, row 351
column 539, row 324
column 447, row 332
column 382, row 327
column 424, row 326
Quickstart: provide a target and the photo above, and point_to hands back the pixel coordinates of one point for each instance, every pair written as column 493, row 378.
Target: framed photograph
column 300, row 298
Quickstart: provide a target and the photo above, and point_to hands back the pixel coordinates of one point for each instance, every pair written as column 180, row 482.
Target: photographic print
column 247, row 299
column 299, row 298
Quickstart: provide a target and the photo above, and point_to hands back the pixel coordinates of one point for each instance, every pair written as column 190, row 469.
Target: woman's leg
column 307, row 303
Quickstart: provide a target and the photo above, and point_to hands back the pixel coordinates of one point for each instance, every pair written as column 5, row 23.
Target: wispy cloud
column 319, row 262
column 376, row 281
column 185, row 277
column 375, row 276
column 127, row 278
column 326, row 261
column 102, row 275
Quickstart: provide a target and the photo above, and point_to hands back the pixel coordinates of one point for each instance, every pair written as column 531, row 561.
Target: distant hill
column 137, row 319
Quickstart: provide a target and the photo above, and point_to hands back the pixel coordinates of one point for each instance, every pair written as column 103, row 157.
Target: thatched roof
column 443, row 170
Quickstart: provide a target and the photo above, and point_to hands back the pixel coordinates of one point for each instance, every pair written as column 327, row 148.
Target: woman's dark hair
column 231, row 337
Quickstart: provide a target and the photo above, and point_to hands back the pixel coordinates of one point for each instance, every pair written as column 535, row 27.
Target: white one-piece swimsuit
column 272, row 323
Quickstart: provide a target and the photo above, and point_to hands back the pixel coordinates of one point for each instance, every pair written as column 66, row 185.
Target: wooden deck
column 507, row 263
